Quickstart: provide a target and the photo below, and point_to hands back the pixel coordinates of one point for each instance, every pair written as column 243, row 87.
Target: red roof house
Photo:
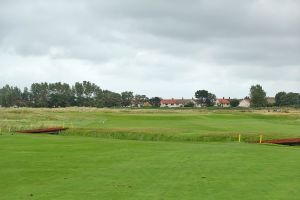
column 223, row 102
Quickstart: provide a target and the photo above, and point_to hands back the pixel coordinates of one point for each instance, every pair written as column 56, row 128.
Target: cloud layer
column 165, row 48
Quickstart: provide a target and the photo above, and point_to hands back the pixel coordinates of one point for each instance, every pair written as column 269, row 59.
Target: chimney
column 182, row 98
column 229, row 98
column 223, row 97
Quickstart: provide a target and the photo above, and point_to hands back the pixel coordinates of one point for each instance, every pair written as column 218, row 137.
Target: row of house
column 177, row 103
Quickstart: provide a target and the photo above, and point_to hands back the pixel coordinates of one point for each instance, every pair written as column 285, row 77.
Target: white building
column 245, row 103
column 176, row 103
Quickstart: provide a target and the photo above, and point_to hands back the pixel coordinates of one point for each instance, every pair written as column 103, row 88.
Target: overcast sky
column 167, row 48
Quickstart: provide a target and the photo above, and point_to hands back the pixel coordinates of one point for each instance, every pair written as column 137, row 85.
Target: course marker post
column 239, row 137
column 260, row 139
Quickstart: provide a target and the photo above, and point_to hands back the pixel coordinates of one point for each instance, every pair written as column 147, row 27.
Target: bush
column 234, row 102
column 189, row 105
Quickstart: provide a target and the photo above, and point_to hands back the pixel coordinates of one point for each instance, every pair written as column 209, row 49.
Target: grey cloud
column 167, row 42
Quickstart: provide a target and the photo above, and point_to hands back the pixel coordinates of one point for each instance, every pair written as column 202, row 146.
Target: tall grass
column 154, row 135
column 158, row 124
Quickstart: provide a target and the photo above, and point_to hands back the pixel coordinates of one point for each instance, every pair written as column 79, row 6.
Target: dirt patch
column 52, row 130
column 287, row 141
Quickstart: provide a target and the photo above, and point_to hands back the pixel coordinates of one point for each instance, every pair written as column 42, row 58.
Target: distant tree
column 291, row 99
column 87, row 94
column 17, row 96
column 205, row 98
column 287, row 99
column 60, row 95
column 26, row 97
column 201, row 96
column 155, row 101
column 211, row 99
column 78, row 91
column 258, row 96
column 98, row 98
column 140, row 100
column 40, row 94
column 189, row 105
column 127, row 98
column 234, row 102
column 10, row 96
column 5, row 96
column 90, row 90
column 111, row 99
column 280, row 98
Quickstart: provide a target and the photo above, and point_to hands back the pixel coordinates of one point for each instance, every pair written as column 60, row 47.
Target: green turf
column 176, row 125
column 75, row 167
column 46, row 167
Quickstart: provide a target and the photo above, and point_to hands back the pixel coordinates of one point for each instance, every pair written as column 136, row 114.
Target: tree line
column 59, row 94
column 87, row 94
column 257, row 98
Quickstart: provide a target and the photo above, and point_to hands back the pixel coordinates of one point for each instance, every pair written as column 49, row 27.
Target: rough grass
column 158, row 124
